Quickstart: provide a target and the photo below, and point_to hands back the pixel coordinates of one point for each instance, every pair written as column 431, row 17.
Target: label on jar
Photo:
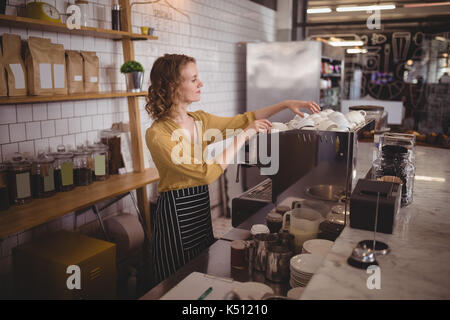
column 23, row 185
column 100, row 165
column 67, row 173
column 49, row 181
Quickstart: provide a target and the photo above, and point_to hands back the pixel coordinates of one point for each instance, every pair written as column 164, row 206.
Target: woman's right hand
column 261, row 125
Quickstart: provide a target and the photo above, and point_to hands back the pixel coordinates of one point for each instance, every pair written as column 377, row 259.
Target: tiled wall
column 212, row 36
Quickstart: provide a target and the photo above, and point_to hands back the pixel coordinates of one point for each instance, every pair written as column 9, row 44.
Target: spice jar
column 82, row 167
column 4, row 195
column 99, row 156
column 19, row 179
column 42, row 176
column 63, row 169
column 111, row 138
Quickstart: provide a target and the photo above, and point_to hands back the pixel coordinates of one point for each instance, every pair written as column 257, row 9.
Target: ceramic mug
column 317, row 118
column 327, row 124
column 357, row 116
column 279, row 126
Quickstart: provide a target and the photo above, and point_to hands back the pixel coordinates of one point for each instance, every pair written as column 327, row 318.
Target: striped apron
column 181, row 229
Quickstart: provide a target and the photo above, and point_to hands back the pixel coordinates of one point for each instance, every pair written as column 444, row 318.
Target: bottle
column 115, row 12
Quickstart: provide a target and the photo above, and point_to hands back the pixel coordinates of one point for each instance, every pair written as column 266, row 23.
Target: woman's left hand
column 295, row 105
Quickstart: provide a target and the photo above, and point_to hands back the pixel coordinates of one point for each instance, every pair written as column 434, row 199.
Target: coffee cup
column 339, row 118
column 357, row 116
column 327, row 124
column 279, row 126
column 317, row 118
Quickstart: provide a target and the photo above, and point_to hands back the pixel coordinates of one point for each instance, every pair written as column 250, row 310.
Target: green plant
column 131, row 66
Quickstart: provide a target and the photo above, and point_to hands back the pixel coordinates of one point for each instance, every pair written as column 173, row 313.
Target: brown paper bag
column 15, row 68
column 90, row 71
column 3, row 86
column 58, row 58
column 39, row 63
column 74, row 66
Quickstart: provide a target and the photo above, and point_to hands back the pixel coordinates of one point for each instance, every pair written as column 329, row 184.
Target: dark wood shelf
column 71, row 97
column 23, row 217
column 34, row 24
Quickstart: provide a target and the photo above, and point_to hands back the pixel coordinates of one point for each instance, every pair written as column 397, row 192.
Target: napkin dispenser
column 363, row 205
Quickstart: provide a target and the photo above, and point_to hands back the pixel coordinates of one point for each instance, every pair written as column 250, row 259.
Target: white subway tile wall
column 213, row 35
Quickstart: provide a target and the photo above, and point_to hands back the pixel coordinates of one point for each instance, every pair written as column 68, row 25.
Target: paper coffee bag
column 58, row 59
column 90, row 71
column 39, row 64
column 15, row 68
column 3, row 85
column 74, row 66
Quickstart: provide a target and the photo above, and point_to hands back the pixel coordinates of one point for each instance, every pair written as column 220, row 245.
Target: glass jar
column 82, row 167
column 395, row 161
column 4, row 195
column 19, row 179
column 99, row 157
column 42, row 176
column 111, row 138
column 63, row 169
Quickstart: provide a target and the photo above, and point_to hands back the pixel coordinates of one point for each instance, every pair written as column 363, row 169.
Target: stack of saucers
column 302, row 267
column 319, row 247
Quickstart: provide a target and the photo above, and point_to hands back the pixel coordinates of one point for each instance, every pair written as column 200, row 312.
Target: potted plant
column 134, row 75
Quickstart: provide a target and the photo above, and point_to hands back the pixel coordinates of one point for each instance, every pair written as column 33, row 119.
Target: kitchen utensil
column 303, row 224
column 262, row 242
column 277, row 267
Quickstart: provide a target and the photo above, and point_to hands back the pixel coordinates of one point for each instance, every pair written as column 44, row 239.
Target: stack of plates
column 302, row 268
column 317, row 246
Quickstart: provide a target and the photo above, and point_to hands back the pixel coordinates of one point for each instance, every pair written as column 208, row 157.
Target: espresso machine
column 313, row 165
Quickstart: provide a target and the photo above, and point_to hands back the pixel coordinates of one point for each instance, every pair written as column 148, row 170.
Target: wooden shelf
column 78, row 96
column 38, row 211
column 34, row 24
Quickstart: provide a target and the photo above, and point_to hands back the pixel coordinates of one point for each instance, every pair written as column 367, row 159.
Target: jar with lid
column 19, row 179
column 84, row 10
column 82, row 167
column 111, row 138
column 42, row 176
column 63, row 169
column 395, row 161
column 99, row 157
column 4, row 195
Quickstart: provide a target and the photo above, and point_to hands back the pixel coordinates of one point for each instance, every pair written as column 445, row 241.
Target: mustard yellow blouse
column 174, row 176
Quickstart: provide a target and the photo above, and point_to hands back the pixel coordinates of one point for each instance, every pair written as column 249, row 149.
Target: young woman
column 181, row 226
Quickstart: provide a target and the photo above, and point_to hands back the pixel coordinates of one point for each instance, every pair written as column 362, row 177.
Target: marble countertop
column 418, row 266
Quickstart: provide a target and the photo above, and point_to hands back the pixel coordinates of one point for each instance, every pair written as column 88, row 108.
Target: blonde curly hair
column 165, row 79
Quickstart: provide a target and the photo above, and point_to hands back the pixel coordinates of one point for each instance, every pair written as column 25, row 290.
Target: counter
column 418, row 266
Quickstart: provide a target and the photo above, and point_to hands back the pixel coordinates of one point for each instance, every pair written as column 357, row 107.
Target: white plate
column 295, row 293
column 318, row 246
column 252, row 290
column 306, row 263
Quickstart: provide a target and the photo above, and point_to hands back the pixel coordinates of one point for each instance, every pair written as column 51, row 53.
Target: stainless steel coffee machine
column 313, row 164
